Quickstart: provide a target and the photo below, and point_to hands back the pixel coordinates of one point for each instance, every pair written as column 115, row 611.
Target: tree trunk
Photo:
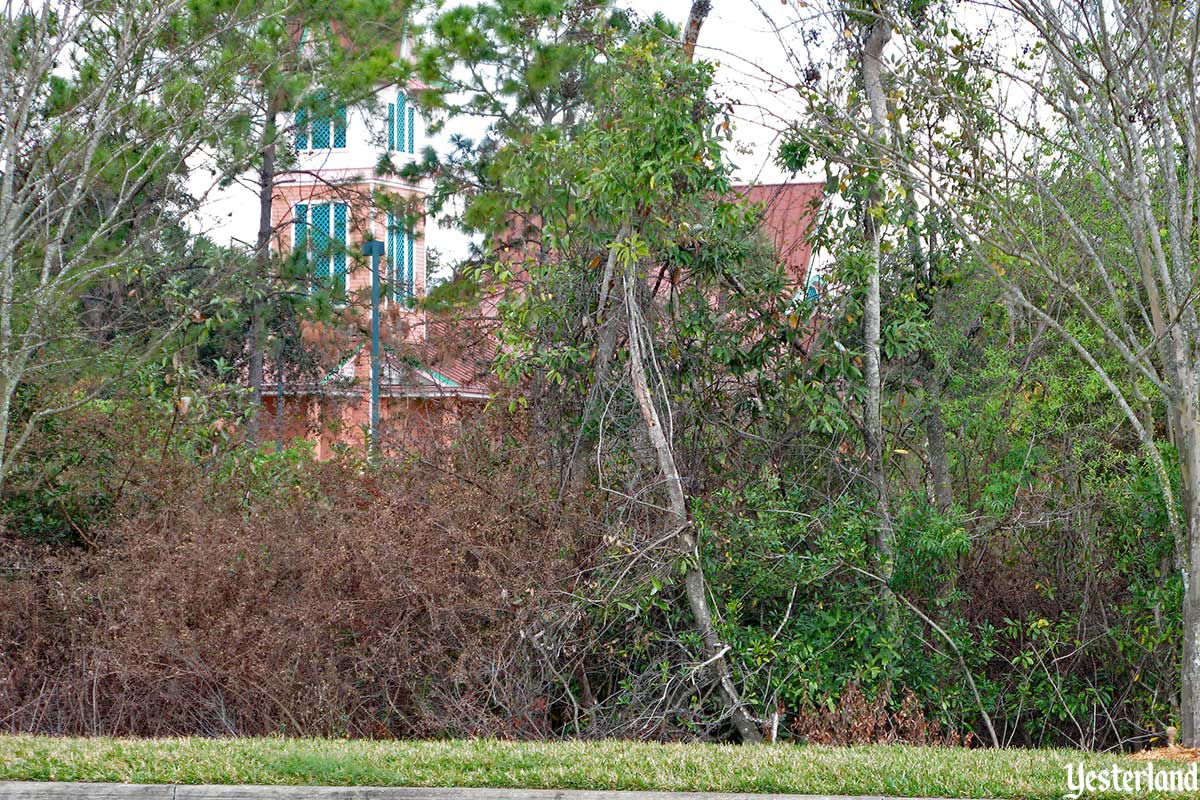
column 691, row 32
column 1189, row 456
column 255, row 369
column 607, row 329
column 872, row 67
column 679, row 525
column 279, row 392
column 262, row 260
column 939, row 462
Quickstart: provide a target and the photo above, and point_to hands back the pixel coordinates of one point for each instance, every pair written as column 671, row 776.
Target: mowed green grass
column 888, row 770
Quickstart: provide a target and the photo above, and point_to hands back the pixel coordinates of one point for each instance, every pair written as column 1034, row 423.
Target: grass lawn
column 889, row 770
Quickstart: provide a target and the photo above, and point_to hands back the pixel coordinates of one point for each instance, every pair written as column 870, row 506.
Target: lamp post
column 374, row 249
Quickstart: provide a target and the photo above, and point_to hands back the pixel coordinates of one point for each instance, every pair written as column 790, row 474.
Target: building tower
column 326, row 205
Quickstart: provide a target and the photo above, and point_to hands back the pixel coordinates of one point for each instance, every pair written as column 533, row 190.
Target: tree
column 1087, row 92
column 583, row 212
column 876, row 32
column 633, row 207
column 521, row 65
column 105, row 109
column 302, row 61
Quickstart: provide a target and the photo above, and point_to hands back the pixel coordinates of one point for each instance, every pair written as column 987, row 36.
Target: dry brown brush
column 340, row 599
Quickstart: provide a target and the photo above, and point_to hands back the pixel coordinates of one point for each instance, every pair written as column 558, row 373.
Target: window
column 339, row 127
column 402, row 125
column 400, row 260
column 412, row 128
column 320, row 233
column 320, row 132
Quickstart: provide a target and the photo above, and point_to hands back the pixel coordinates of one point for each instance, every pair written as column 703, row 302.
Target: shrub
column 346, row 600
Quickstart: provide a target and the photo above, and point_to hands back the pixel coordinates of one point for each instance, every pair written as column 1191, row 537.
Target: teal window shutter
column 340, row 212
column 394, row 257
column 412, row 127
column 401, row 115
column 339, row 127
column 300, row 231
column 386, row 277
column 391, row 130
column 301, row 129
column 319, row 233
column 393, row 263
column 411, row 285
column 320, row 133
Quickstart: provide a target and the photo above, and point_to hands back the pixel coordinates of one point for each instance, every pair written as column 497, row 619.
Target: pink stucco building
column 434, row 373
column 333, row 199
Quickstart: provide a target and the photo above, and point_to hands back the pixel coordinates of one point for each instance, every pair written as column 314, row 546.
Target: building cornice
column 342, row 176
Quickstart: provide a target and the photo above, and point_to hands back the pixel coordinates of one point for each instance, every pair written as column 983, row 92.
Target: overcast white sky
column 736, row 36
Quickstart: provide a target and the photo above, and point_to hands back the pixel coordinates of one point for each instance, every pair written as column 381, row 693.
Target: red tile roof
column 462, row 352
